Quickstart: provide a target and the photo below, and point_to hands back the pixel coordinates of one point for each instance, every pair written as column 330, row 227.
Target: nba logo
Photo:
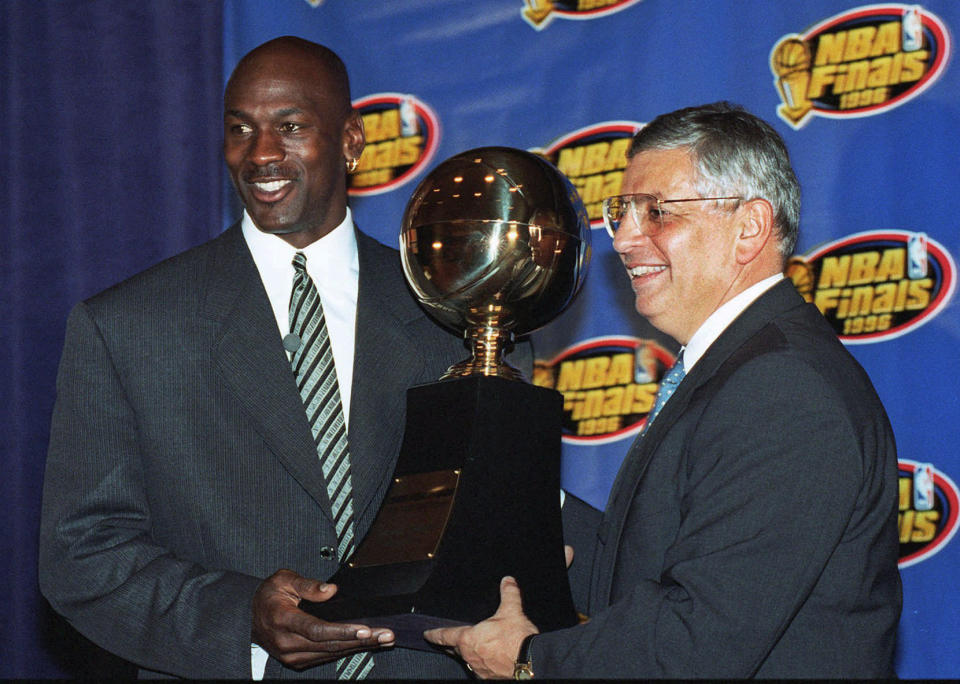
column 408, row 117
column 923, row 495
column 644, row 364
column 917, row 256
column 912, row 26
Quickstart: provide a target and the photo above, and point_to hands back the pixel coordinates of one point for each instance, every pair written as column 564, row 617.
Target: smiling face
column 683, row 274
column 288, row 132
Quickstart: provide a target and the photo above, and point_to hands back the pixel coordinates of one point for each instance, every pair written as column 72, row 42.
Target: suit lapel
column 247, row 353
column 386, row 363
column 774, row 301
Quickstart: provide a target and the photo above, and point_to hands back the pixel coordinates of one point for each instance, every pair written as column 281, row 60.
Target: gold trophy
column 495, row 243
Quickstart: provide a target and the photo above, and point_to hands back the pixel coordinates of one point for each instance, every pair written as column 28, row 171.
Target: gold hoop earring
column 352, row 165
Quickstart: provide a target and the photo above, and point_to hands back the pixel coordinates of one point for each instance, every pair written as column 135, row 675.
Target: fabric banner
column 110, row 152
column 863, row 95
column 112, row 162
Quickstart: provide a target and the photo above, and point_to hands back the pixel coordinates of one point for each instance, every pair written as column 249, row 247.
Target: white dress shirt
column 334, row 267
column 720, row 319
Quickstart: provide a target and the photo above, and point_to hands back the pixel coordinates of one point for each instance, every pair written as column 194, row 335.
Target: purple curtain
column 110, row 137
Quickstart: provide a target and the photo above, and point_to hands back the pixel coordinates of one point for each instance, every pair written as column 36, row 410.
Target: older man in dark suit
column 239, row 408
column 752, row 528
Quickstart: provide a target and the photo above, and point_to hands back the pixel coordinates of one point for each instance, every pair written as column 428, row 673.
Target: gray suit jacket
column 752, row 531
column 182, row 471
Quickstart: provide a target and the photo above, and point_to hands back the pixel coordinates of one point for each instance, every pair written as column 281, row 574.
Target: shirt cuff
column 258, row 662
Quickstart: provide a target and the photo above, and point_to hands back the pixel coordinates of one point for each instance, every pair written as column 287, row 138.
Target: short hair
column 734, row 153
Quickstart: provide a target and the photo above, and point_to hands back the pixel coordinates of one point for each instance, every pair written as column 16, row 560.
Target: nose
column 628, row 233
column 267, row 148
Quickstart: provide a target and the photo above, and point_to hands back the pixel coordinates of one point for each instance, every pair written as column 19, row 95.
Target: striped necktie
column 316, row 377
column 668, row 385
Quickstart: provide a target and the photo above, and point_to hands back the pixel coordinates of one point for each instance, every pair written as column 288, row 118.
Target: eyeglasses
column 646, row 211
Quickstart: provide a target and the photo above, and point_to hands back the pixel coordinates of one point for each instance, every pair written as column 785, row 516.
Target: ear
column 756, row 229
column 354, row 138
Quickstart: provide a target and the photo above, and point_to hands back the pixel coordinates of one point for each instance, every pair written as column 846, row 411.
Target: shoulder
column 172, row 280
column 382, row 280
column 373, row 253
column 794, row 386
column 366, row 241
column 781, row 341
column 798, row 358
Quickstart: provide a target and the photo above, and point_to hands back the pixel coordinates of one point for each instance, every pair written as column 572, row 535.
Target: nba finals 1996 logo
column 876, row 285
column 929, row 514
column 402, row 136
column 539, row 13
column 608, row 385
column 859, row 63
column 593, row 158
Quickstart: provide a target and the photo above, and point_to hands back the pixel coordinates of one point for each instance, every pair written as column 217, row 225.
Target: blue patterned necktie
column 668, row 385
column 316, row 377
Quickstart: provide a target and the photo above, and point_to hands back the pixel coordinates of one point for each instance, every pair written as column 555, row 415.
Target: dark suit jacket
column 182, row 471
column 752, row 530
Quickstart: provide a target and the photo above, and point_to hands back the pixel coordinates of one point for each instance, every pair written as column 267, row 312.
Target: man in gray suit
column 185, row 509
column 752, row 528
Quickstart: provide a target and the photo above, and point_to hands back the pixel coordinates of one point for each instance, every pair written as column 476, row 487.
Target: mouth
column 645, row 270
column 270, row 191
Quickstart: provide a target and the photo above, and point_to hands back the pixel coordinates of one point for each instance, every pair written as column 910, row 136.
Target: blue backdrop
column 116, row 138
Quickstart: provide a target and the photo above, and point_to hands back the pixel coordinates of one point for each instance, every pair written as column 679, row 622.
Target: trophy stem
column 488, row 345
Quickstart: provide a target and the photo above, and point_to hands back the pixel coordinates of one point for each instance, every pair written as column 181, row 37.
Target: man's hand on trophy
column 299, row 640
column 490, row 648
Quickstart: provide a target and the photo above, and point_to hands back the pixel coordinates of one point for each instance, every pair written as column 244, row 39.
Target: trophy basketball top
column 495, row 242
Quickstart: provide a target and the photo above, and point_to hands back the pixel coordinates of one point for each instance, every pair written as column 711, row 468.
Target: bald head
column 315, row 66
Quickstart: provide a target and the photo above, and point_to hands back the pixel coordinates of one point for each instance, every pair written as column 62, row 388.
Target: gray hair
column 734, row 153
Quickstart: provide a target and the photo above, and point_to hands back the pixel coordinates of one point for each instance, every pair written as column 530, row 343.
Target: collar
column 718, row 321
column 331, row 261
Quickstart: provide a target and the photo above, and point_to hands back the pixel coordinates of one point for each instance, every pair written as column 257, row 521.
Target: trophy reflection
column 495, row 244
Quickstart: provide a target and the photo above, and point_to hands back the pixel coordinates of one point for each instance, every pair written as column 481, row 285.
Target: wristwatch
column 523, row 668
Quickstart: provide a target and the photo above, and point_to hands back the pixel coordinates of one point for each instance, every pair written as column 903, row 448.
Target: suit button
column 327, row 552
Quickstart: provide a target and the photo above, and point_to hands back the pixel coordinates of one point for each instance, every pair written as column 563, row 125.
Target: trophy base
column 475, row 497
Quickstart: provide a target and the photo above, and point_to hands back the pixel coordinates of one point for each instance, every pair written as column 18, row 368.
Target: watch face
column 523, row 671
